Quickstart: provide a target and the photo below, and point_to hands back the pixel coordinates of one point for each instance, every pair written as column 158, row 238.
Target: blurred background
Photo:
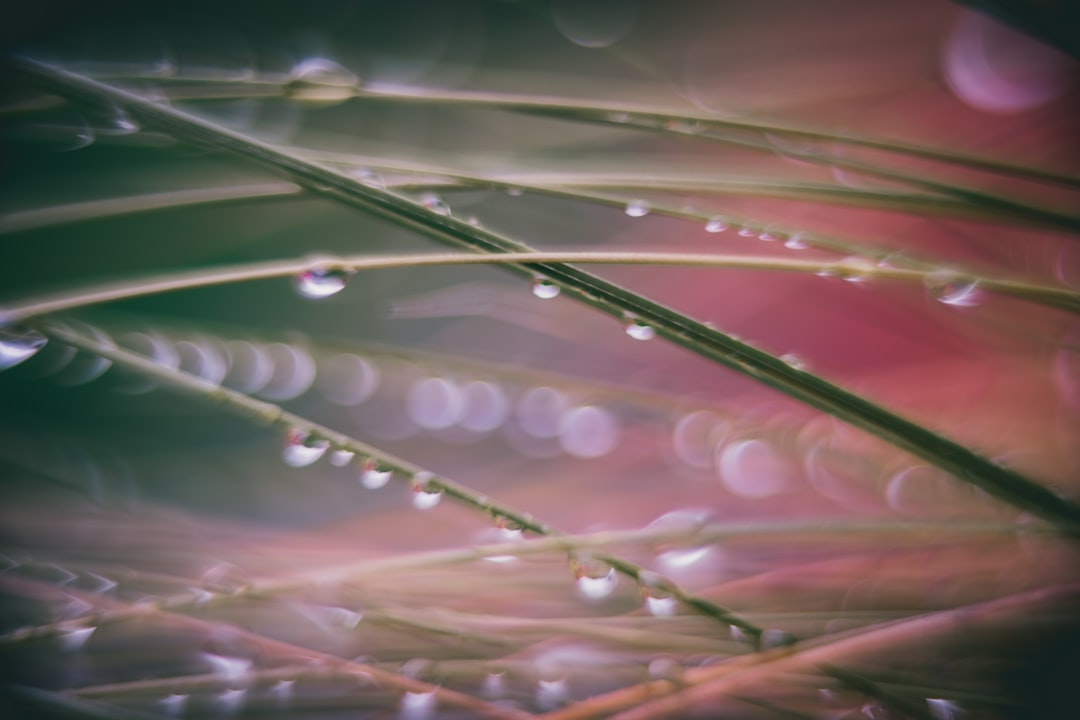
column 119, row 492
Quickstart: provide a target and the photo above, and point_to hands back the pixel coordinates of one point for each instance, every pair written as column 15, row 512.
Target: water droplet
column 665, row 668
column 283, row 691
column 341, row 458
column 425, row 493
column 545, row 289
column 76, row 638
column 18, row 345
column 639, row 330
column 418, row 706
column 551, row 694
column 321, row 81
column 229, row 669
column 494, row 686
column 619, row 117
column 658, row 599
column 772, row 639
column 509, row 528
column 942, row 709
column 954, row 289
column 595, row 580
column 514, row 191
column 323, row 280
column 855, row 269
column 637, row 208
column 373, row 475
column 767, row 236
column 793, row 361
column 594, row 23
column 679, row 556
column 435, row 204
column 368, row 177
column 231, row 700
column 302, row 448
column 716, row 225
column 797, row 241
column 747, row 232
column 173, row 705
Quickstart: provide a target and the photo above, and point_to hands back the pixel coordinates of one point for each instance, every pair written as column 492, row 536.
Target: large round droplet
column 323, row 281
column 373, row 475
column 18, row 345
column 680, row 555
column 594, row 579
column 302, row 448
column 545, row 289
column 321, row 81
column 637, row 208
column 639, row 330
column 425, row 493
column 588, row 432
column 954, row 289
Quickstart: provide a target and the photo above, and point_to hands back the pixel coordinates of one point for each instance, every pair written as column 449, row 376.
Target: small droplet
column 637, row 208
column 767, row 236
column 494, row 686
column 418, row 706
column 425, row 494
column 793, row 360
column 509, row 529
column 773, row 639
column 747, row 232
column 514, row 191
column 231, row 700
column 341, row 458
column 855, row 269
column 716, row 225
column 619, row 117
column 954, row 289
column 229, row 669
column 302, row 448
column 18, row 345
column 545, row 289
column 797, row 241
column 639, row 330
column 373, row 475
column 173, row 705
column 283, row 691
column 658, row 599
column 368, row 177
column 321, row 81
column 665, row 668
column 942, row 709
column 435, row 204
column 76, row 639
column 551, row 694
column 594, row 580
column 323, row 280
